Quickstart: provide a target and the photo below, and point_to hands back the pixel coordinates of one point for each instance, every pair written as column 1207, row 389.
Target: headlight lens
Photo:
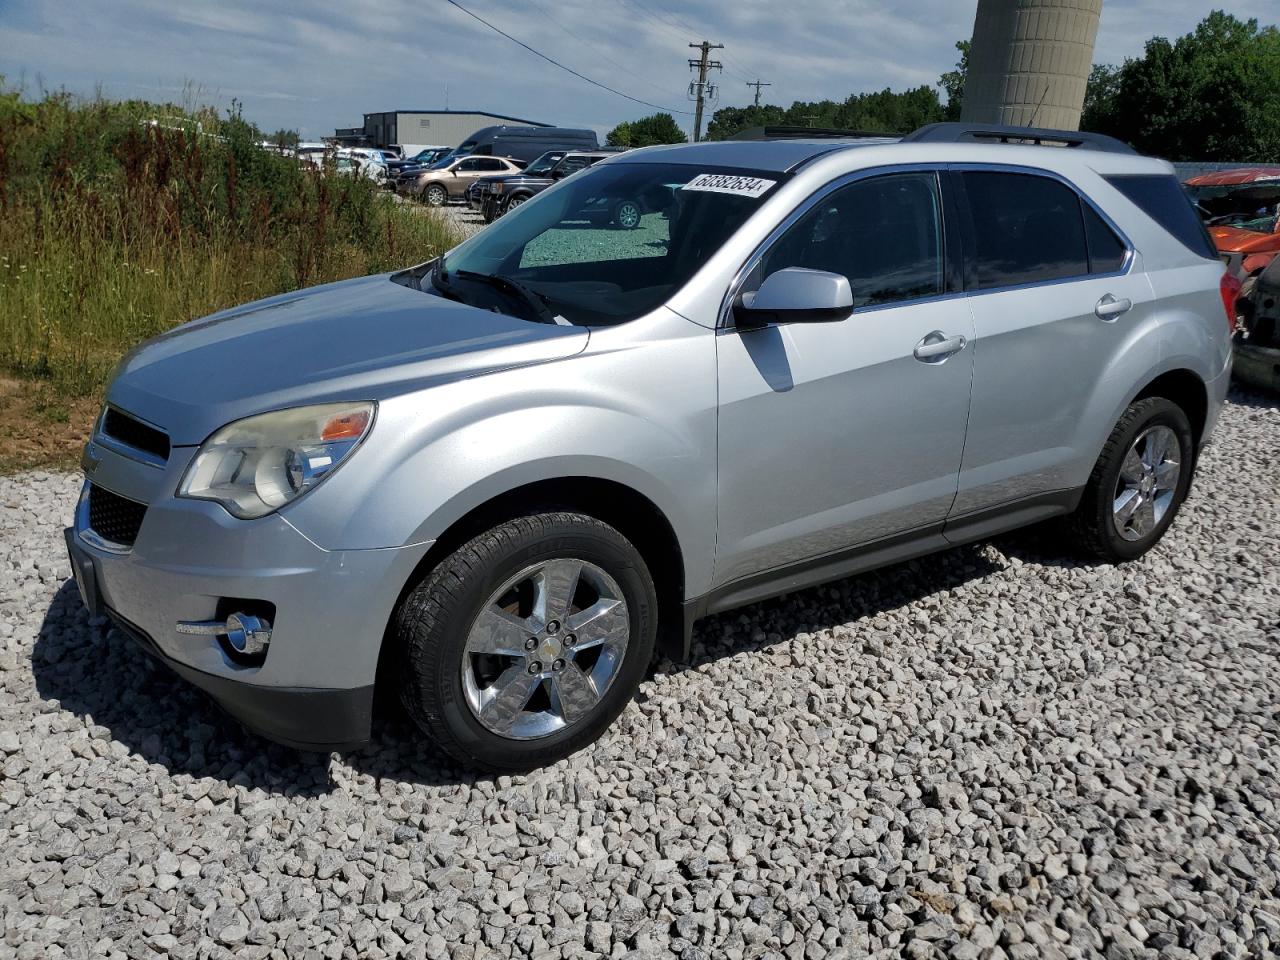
column 257, row 465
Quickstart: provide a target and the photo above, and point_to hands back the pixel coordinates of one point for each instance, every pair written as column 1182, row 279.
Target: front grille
column 134, row 433
column 114, row 518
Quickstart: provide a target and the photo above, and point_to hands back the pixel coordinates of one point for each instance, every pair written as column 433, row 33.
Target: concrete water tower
column 1030, row 62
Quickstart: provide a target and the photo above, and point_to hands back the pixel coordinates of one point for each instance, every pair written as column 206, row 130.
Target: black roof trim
column 994, row 132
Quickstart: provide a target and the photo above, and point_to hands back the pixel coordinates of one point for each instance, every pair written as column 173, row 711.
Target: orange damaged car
column 1241, row 208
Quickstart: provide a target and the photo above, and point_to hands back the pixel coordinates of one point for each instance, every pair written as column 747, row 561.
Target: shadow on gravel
column 106, row 679
column 821, row 608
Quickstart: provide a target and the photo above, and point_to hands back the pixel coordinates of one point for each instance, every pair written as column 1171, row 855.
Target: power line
column 593, row 45
column 683, row 26
column 557, row 63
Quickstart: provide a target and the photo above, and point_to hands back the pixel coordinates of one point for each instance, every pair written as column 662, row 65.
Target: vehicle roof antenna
column 1035, row 113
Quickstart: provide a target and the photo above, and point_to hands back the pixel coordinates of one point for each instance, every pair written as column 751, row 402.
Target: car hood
column 368, row 338
column 1236, row 240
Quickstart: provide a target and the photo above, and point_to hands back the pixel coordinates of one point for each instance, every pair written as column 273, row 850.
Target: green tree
column 952, row 82
column 883, row 111
column 646, row 132
column 1212, row 94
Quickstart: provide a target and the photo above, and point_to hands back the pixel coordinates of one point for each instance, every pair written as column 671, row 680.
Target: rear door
column 1055, row 297
column 834, row 435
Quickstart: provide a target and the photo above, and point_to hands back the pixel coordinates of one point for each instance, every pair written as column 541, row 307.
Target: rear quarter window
column 1162, row 198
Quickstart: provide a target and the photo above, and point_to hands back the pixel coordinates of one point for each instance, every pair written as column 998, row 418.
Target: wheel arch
column 624, row 508
column 1185, row 388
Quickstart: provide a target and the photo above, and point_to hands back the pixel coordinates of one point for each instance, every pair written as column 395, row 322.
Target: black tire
column 1091, row 525
column 433, row 622
column 435, row 195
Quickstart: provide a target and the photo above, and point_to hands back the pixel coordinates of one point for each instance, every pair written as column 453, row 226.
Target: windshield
column 465, row 149
column 604, row 246
column 544, row 163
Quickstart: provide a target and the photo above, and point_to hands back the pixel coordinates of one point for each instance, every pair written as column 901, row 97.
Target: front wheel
column 1138, row 483
column 523, row 645
column 436, row 195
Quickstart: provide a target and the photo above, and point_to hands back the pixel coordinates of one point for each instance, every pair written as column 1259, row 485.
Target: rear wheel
column 1138, row 483
column 524, row 645
column 436, row 195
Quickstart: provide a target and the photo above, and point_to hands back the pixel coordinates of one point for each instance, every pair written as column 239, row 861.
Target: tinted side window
column 1027, row 229
column 1162, row 198
column 884, row 234
column 1106, row 250
column 491, row 164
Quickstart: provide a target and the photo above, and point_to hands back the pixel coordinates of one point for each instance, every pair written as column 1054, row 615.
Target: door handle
column 937, row 346
column 1108, row 309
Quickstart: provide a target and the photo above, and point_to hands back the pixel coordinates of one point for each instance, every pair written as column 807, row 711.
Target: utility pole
column 702, row 65
column 758, row 84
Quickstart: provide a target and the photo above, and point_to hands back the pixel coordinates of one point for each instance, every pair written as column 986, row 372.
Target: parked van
column 525, row 143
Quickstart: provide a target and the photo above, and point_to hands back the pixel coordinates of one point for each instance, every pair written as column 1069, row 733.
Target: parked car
column 505, row 193
column 420, row 159
column 448, row 180
column 1257, row 345
column 1241, row 208
column 525, row 143
column 496, row 481
column 542, row 166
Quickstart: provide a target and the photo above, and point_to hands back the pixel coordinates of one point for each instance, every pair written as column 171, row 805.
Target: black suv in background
column 504, row 193
column 541, row 167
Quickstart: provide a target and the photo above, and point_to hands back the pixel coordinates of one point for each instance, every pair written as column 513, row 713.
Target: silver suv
column 496, row 482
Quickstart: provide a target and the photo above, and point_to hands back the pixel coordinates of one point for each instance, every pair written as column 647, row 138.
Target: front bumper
column 192, row 561
column 304, row 718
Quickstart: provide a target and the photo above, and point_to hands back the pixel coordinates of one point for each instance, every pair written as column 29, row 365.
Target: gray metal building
column 445, row 128
column 1030, row 62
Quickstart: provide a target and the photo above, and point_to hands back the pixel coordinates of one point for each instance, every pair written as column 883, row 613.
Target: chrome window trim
column 724, row 319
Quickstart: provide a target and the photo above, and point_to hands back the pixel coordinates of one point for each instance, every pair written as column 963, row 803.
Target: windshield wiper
column 540, row 303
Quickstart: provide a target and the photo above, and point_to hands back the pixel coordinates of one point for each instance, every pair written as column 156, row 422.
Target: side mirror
column 557, row 174
column 795, row 295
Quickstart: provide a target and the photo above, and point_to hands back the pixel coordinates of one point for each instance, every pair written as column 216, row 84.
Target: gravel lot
column 989, row 753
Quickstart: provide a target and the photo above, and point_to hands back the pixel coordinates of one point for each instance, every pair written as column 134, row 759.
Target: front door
column 834, row 435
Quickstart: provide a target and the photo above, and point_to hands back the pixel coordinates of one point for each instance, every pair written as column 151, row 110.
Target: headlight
column 495, row 188
column 257, row 465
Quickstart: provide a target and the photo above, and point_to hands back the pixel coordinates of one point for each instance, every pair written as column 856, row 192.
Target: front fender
column 631, row 409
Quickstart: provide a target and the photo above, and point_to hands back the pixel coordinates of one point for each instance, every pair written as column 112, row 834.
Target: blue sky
column 323, row 64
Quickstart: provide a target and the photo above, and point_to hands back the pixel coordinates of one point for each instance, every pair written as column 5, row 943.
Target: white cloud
column 324, row 64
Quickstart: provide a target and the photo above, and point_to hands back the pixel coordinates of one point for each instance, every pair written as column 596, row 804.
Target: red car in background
column 1241, row 208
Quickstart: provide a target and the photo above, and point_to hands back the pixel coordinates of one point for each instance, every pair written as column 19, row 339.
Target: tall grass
column 113, row 229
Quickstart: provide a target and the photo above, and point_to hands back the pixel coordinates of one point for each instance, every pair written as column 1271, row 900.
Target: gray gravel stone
column 993, row 753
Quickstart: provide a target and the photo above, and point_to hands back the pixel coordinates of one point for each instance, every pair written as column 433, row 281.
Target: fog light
column 248, row 634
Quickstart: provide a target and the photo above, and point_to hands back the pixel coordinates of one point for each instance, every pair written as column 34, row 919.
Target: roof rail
column 781, row 132
column 994, row 132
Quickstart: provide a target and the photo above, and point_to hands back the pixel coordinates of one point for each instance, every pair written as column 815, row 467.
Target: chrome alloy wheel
column 1148, row 482
column 628, row 215
column 545, row 648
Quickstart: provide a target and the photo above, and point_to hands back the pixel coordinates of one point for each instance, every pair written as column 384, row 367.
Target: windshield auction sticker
column 727, row 183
